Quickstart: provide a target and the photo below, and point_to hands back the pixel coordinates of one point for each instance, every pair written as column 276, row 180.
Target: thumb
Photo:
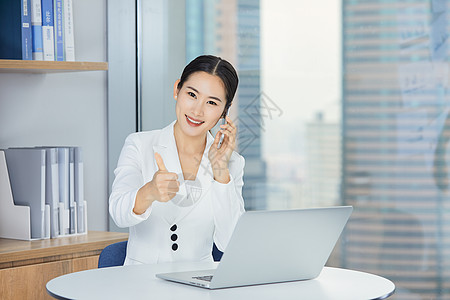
column 217, row 137
column 160, row 162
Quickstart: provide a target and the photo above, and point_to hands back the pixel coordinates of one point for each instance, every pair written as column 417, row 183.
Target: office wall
column 66, row 108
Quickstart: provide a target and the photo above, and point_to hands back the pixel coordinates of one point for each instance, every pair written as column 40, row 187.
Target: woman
column 178, row 189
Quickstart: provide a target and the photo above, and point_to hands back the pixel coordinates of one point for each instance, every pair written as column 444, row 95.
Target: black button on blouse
column 174, row 237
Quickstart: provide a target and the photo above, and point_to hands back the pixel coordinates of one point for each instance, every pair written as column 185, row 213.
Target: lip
column 193, row 124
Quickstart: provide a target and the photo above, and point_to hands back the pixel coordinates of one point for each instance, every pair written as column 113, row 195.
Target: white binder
column 14, row 219
column 26, row 168
column 52, row 189
column 64, row 205
column 79, row 191
column 72, row 204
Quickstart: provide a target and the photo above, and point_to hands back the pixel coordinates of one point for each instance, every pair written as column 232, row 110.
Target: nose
column 198, row 109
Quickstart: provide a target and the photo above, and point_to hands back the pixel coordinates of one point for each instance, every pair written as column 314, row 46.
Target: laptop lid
column 276, row 246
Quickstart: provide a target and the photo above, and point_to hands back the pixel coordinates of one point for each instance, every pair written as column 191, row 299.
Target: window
column 343, row 104
column 289, row 124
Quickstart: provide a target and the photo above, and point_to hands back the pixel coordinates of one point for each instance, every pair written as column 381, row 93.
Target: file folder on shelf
column 79, row 191
column 52, row 189
column 14, row 219
column 61, row 188
column 64, row 181
column 72, row 204
column 26, row 168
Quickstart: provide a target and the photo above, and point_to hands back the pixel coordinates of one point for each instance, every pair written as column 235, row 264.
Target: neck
column 188, row 144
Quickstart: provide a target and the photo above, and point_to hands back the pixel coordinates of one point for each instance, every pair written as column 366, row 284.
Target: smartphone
column 222, row 136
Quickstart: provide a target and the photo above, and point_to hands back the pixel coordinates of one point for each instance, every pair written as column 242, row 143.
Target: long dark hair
column 217, row 66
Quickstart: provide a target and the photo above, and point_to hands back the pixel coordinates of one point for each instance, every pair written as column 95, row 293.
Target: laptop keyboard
column 204, row 278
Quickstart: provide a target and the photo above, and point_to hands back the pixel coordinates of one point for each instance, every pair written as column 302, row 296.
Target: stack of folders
column 50, row 181
column 37, row 30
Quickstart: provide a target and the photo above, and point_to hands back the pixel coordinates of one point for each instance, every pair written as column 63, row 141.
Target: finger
column 218, row 134
column 173, row 190
column 166, row 195
column 217, row 138
column 230, row 122
column 170, row 195
column 173, row 184
column 168, row 176
column 229, row 134
column 160, row 162
column 228, row 127
column 228, row 141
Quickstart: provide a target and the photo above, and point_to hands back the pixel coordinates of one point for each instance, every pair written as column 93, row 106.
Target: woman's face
column 200, row 103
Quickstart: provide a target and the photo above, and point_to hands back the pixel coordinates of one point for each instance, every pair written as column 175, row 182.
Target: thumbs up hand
column 164, row 184
column 163, row 187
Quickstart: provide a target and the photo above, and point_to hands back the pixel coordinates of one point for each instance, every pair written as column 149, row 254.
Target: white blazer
column 153, row 236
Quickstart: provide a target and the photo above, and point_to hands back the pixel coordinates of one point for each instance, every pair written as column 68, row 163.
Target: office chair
column 216, row 253
column 114, row 255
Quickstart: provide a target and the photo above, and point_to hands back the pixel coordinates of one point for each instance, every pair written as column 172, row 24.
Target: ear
column 175, row 89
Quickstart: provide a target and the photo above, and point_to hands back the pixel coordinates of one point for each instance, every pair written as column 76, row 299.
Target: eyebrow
column 195, row 90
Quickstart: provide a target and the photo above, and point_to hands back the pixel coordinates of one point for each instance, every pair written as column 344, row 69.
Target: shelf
column 36, row 66
column 15, row 253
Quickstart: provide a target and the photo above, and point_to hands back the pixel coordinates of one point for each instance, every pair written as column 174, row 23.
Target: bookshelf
column 36, row 66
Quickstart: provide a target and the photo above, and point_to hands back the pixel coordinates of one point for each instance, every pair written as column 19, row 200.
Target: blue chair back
column 114, row 255
column 216, row 253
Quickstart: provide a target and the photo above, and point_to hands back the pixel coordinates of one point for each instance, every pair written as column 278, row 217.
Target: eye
column 192, row 94
column 212, row 102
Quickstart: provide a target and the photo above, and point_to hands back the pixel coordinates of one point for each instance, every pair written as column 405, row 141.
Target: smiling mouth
column 193, row 122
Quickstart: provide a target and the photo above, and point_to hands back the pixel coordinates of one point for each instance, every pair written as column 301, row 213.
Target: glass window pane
column 344, row 103
column 396, row 143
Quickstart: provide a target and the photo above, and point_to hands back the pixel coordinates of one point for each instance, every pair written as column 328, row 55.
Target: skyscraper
column 323, row 141
column 231, row 29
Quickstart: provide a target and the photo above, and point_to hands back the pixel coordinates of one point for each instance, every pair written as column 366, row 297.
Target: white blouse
column 183, row 229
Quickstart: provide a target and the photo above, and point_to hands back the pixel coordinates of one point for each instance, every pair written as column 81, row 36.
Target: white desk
column 139, row 282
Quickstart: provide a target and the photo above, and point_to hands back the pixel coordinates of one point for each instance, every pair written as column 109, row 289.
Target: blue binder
column 15, row 29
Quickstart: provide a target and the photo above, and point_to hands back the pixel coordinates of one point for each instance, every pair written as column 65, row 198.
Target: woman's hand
column 219, row 158
column 163, row 187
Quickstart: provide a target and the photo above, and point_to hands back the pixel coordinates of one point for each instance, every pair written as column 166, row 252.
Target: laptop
column 272, row 247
